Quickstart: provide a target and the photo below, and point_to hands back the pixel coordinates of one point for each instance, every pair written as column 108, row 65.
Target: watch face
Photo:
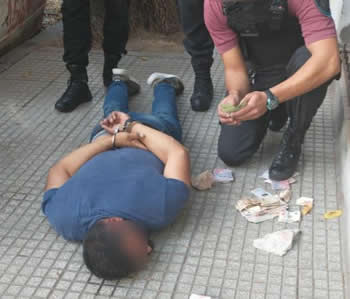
column 272, row 103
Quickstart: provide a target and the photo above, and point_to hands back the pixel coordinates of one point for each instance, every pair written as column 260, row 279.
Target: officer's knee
column 231, row 157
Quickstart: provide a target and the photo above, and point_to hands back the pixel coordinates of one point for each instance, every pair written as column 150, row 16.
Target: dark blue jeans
column 163, row 118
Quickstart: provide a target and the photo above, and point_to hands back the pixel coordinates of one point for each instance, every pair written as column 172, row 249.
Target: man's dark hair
column 103, row 253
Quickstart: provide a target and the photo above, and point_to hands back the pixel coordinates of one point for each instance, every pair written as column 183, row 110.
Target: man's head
column 114, row 248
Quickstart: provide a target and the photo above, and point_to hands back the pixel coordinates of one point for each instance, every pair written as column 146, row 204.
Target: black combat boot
column 203, row 87
column 110, row 63
column 285, row 163
column 77, row 92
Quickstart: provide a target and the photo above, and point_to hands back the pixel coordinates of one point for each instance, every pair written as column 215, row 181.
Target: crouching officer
column 280, row 57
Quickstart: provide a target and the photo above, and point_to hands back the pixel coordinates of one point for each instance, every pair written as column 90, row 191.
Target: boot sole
column 73, row 108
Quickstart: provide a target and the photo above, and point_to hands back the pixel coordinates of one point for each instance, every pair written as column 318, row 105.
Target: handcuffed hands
column 112, row 121
column 122, row 139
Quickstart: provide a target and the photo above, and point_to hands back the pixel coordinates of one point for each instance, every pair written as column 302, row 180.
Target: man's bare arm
column 323, row 65
column 236, row 75
column 237, row 81
column 69, row 165
column 63, row 170
column 172, row 153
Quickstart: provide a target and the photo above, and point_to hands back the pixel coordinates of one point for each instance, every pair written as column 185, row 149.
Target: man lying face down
column 133, row 178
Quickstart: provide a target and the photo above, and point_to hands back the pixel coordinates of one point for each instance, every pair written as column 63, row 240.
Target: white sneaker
column 173, row 80
column 123, row 75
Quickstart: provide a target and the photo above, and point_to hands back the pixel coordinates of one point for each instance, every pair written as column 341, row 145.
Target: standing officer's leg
column 199, row 45
column 301, row 111
column 116, row 34
column 77, row 44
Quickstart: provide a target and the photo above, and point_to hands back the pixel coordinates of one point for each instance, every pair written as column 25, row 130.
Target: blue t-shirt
column 126, row 183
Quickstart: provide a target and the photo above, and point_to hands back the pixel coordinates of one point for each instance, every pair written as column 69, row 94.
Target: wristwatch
column 272, row 101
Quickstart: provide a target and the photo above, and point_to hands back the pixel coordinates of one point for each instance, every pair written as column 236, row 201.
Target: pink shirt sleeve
column 223, row 37
column 315, row 26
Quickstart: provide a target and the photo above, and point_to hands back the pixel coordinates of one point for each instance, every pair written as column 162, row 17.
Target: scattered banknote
column 223, row 175
column 287, row 216
column 264, row 206
column 280, row 185
column 307, row 204
column 261, row 193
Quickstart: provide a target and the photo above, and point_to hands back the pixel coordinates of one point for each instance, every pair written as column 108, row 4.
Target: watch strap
column 272, row 101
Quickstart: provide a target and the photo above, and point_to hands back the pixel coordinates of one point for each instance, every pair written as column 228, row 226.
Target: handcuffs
column 127, row 127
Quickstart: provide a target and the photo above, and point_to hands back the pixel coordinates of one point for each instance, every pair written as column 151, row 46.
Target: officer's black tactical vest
column 268, row 34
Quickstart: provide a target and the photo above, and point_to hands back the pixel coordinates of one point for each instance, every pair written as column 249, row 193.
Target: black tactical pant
column 198, row 42
column 239, row 143
column 77, row 32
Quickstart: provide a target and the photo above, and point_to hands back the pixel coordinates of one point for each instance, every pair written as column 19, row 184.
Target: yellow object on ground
column 333, row 214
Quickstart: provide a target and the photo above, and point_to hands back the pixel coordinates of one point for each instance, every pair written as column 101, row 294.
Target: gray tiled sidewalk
column 208, row 250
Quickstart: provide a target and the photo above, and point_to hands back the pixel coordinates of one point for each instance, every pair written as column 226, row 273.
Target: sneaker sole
column 156, row 76
column 124, row 73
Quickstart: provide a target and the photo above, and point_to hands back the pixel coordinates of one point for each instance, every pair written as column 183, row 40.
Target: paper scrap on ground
column 307, row 203
column 222, row 175
column 333, row 214
column 279, row 242
column 287, row 216
column 204, row 181
column 263, row 207
column 195, row 296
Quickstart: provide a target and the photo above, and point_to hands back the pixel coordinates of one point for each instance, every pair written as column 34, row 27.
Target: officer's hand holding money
column 254, row 106
column 225, row 111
